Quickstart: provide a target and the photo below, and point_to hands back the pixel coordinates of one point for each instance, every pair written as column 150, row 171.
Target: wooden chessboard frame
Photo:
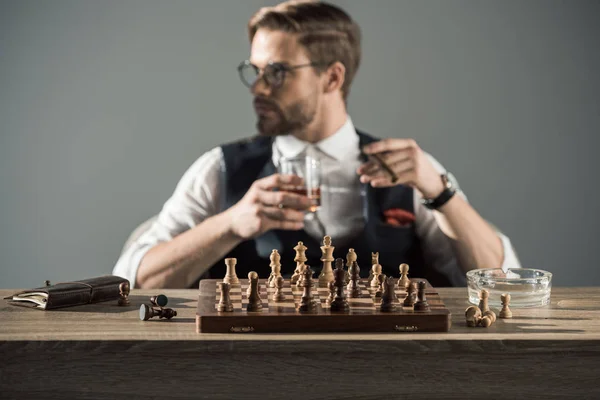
column 364, row 315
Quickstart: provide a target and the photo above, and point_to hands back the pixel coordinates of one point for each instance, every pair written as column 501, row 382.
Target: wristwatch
column 442, row 198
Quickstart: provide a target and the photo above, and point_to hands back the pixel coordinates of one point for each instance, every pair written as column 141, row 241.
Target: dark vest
column 251, row 159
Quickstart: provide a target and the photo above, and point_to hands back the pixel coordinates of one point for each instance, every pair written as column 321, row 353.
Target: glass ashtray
column 527, row 287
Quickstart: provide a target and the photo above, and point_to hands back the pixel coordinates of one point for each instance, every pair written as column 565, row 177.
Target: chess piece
column 147, row 312
column 307, row 301
column 225, row 304
column 379, row 289
column 300, row 259
column 491, row 315
column 159, row 300
column 403, row 282
column 275, row 268
column 421, row 304
column 411, row 295
column 339, row 263
column 230, row 275
column 473, row 316
column 331, row 287
column 374, row 262
column 350, row 258
column 353, row 286
column 388, row 297
column 375, row 272
column 483, row 300
column 339, row 303
column 278, row 296
column 254, row 301
column 124, row 294
column 505, row 312
column 326, row 275
column 486, row 321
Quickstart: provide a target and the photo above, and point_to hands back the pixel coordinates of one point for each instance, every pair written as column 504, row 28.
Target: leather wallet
column 68, row 294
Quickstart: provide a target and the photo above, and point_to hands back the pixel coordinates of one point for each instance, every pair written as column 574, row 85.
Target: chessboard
column 364, row 314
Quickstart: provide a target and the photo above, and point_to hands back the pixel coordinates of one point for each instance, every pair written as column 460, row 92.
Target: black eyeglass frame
column 280, row 67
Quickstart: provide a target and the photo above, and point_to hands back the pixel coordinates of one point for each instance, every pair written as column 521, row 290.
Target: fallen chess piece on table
column 159, row 300
column 475, row 317
column 147, row 312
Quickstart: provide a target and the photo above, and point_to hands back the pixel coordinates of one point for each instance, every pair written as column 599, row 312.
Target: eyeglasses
column 273, row 73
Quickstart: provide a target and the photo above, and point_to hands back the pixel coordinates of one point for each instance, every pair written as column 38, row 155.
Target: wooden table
column 105, row 351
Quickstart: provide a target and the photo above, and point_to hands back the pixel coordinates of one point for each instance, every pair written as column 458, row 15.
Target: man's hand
column 408, row 162
column 262, row 209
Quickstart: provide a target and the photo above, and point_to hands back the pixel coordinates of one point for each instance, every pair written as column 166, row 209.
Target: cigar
column 385, row 167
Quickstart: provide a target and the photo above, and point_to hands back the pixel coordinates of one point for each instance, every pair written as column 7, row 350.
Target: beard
column 279, row 121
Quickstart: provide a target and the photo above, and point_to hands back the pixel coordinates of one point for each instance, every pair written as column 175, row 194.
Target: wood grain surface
column 105, row 351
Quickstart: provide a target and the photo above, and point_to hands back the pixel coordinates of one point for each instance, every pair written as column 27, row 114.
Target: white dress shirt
column 198, row 196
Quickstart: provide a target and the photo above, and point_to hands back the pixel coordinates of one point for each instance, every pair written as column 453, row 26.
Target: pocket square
column 398, row 217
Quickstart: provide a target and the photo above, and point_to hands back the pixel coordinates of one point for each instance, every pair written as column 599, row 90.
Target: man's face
column 291, row 106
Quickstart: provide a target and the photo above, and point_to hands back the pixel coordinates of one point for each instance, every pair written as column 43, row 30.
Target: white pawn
column 403, row 282
column 505, row 312
column 376, row 271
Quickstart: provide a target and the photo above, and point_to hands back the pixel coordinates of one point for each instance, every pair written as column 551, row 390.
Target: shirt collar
column 337, row 146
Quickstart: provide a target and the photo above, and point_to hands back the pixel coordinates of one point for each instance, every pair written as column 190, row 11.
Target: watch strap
column 448, row 192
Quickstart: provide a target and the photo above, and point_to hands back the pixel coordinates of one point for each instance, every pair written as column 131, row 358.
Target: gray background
column 104, row 105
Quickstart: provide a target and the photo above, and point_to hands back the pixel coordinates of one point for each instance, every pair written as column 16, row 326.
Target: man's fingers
column 278, row 180
column 285, row 225
column 372, row 171
column 369, row 168
column 390, row 144
column 372, row 177
column 397, row 156
column 282, row 214
column 386, row 181
column 402, row 166
column 283, row 198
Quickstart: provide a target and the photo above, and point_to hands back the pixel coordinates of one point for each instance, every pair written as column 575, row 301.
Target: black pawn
column 331, row 288
column 124, row 294
column 409, row 301
column 339, row 303
column 421, row 304
column 254, row 301
column 307, row 302
column 353, row 286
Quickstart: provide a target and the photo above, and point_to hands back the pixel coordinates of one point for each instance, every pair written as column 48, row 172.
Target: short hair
column 326, row 31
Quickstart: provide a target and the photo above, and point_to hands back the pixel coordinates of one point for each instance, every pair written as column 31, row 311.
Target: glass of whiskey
column 309, row 169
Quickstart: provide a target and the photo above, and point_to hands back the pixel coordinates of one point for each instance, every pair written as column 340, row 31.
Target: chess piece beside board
column 482, row 315
column 338, row 300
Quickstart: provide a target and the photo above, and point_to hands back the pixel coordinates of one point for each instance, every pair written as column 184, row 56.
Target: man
column 304, row 56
